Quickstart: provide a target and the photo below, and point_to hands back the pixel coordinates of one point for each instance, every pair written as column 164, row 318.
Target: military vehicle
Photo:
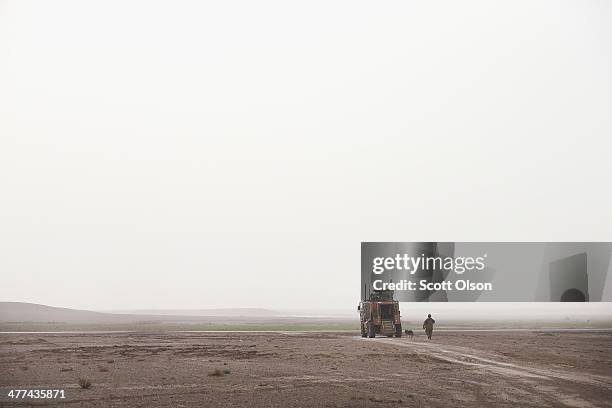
column 380, row 315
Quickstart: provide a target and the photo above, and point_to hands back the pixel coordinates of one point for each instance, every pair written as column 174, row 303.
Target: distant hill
column 31, row 312
column 21, row 312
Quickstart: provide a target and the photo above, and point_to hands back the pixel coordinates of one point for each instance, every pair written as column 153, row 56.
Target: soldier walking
column 428, row 326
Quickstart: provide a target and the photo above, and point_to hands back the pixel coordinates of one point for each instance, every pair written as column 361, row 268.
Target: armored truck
column 379, row 314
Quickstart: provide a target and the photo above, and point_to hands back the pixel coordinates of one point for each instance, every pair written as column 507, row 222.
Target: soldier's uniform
column 428, row 326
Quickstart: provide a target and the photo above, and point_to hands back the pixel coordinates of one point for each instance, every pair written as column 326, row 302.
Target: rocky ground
column 532, row 369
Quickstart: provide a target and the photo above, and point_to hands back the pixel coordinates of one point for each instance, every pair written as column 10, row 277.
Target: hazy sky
column 236, row 153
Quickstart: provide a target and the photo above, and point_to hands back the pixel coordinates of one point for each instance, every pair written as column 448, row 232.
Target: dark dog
column 409, row 333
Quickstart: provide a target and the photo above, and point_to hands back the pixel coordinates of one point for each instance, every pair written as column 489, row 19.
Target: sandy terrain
column 312, row 369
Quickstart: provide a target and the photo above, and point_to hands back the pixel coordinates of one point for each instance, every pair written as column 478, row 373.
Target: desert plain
column 458, row 368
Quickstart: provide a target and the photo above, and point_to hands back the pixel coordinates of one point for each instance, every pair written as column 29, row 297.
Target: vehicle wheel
column 398, row 330
column 371, row 332
column 363, row 330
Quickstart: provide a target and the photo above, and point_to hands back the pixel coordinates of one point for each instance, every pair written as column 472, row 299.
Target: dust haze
column 214, row 155
column 184, row 187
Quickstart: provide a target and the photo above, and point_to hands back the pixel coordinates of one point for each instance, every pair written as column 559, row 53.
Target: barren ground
column 311, row 369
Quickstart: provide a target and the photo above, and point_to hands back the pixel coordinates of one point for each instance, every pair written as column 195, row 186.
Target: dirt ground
column 311, row 369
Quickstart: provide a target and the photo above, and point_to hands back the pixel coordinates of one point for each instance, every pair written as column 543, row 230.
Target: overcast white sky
column 235, row 153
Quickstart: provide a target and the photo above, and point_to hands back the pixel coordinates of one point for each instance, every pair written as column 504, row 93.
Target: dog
column 409, row 333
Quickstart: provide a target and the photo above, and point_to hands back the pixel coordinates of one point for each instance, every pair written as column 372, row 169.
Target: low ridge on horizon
column 27, row 312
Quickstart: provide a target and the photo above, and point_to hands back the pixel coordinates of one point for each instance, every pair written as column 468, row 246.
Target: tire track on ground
column 468, row 357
